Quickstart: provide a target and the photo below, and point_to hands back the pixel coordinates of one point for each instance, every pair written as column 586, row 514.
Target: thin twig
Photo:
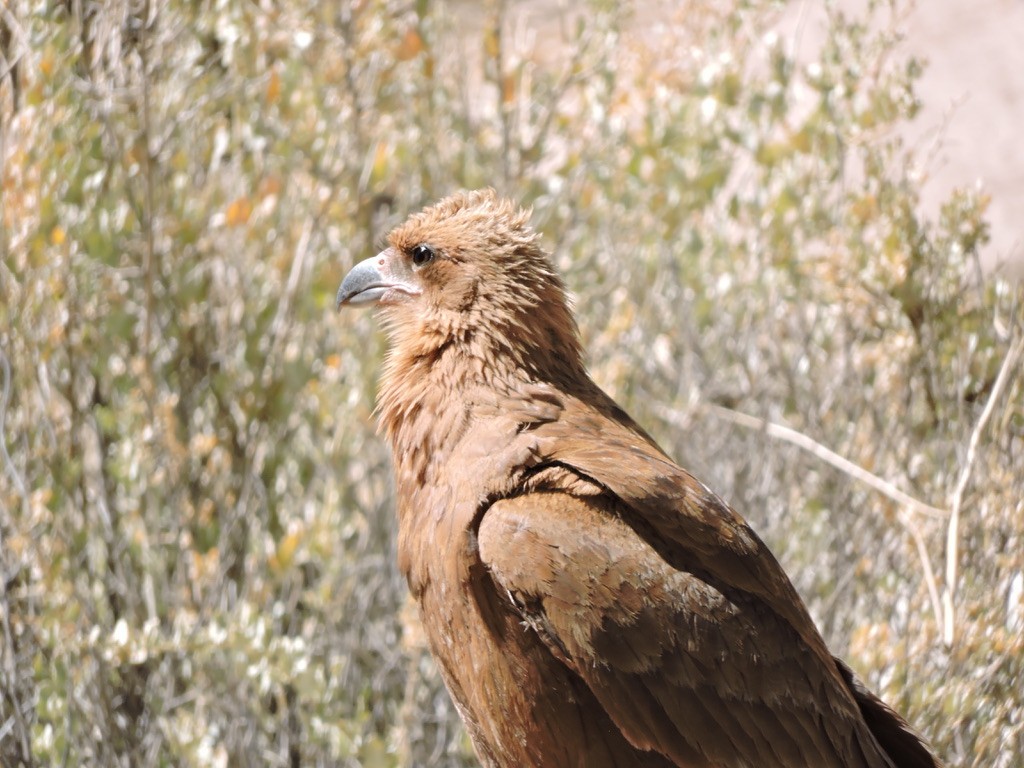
column 9, row 659
column 953, row 531
column 573, row 73
column 11, row 673
column 9, row 20
column 149, row 265
column 827, row 455
column 926, row 564
column 12, row 470
column 504, row 111
column 282, row 318
column 3, row 175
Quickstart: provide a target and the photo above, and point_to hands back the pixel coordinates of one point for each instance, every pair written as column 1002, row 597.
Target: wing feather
column 698, row 673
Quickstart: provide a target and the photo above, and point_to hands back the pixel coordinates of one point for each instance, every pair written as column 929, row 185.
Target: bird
column 587, row 600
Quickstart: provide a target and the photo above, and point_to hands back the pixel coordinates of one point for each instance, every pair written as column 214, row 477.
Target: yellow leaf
column 285, row 553
column 492, row 43
column 238, row 212
column 411, row 46
column 508, row 89
column 47, row 62
column 273, row 87
column 57, row 235
column 380, row 161
column 35, row 95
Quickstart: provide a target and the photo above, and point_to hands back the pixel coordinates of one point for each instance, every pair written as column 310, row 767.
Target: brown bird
column 588, row 602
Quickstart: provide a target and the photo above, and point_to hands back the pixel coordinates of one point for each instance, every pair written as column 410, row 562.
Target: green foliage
column 196, row 524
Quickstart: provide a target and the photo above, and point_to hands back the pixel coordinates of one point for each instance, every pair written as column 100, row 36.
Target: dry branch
column 817, row 450
column 953, row 531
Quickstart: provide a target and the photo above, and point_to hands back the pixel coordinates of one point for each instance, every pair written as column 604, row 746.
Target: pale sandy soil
column 972, row 92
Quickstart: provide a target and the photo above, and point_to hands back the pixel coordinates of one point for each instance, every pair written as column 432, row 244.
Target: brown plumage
column 589, row 602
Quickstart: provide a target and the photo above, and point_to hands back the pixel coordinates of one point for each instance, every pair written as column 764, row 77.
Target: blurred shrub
column 195, row 514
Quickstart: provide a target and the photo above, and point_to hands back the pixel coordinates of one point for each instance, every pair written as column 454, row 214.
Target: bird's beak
column 382, row 279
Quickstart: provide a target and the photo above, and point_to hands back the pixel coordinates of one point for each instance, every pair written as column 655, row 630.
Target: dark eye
column 422, row 254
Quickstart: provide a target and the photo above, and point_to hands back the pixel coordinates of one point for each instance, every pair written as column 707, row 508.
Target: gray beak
column 382, row 279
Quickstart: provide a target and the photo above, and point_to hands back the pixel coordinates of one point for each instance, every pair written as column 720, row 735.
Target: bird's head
column 468, row 275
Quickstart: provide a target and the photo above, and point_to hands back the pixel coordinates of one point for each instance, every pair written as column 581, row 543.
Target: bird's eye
column 422, row 254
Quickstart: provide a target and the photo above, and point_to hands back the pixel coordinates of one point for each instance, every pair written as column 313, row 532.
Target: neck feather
column 436, row 379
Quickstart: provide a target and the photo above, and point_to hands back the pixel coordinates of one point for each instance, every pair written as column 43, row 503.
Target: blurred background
column 783, row 265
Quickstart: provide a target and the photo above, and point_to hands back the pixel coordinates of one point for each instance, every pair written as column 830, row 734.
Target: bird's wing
column 706, row 673
column 665, row 601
